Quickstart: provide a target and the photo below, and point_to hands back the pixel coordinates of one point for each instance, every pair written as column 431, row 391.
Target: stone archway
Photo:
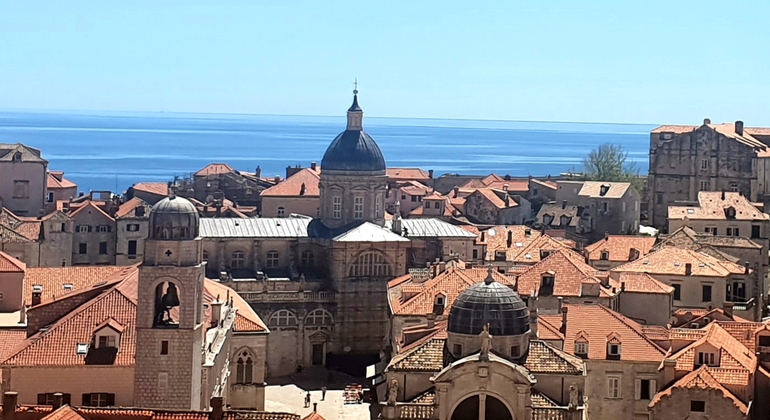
column 481, row 407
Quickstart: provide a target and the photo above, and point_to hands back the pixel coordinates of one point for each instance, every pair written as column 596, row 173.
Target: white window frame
column 614, row 387
column 273, row 259
column 734, row 187
column 704, row 164
column 282, row 318
column 237, row 259
column 82, row 228
column 358, row 207
column 703, row 185
column 337, row 207
column 617, row 353
column 581, row 348
column 378, row 207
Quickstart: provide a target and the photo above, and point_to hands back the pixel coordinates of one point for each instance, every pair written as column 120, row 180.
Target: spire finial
column 490, row 278
column 355, row 86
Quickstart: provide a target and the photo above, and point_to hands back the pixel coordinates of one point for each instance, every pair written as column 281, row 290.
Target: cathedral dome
column 174, row 218
column 490, row 303
column 353, row 149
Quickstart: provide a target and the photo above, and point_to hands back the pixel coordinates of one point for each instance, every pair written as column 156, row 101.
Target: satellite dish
column 491, row 232
column 209, row 198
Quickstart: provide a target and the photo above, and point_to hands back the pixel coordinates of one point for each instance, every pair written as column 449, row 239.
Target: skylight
column 81, row 349
column 690, row 211
column 37, row 288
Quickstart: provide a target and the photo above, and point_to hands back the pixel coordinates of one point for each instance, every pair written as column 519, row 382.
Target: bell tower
column 169, row 310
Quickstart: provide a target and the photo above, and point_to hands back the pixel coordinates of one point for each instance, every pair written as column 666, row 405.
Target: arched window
column 244, row 369
column 272, row 259
column 17, row 157
column 318, row 317
column 166, row 302
column 236, row 260
column 370, row 264
column 308, row 258
column 281, row 212
column 282, row 318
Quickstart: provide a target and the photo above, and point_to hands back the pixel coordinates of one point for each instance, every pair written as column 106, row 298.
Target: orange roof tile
column 292, row 186
column 9, row 264
column 127, row 208
column 713, row 207
column 547, row 184
column 64, row 412
column 597, row 322
column 92, row 206
column 246, row 319
column 313, row 416
column 54, row 279
column 569, row 274
column 655, row 332
column 593, row 189
column 9, row 339
column 56, row 180
column 704, row 379
column 734, row 355
column 425, row 354
column 670, row 260
column 512, row 185
column 544, row 358
column 546, row 331
column 530, row 254
column 398, row 174
column 640, row 283
column 493, row 197
column 215, row 169
column 619, row 247
column 157, row 188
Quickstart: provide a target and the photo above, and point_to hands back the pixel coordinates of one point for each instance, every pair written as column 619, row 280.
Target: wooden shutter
column 653, row 388
column 67, row 399
column 638, row 389
column 86, row 400
column 110, row 400
column 41, row 399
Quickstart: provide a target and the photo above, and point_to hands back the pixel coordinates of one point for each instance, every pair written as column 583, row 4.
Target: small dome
column 488, row 303
column 174, row 218
column 353, row 150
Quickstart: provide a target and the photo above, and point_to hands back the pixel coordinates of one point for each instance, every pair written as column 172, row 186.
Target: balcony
column 270, row 297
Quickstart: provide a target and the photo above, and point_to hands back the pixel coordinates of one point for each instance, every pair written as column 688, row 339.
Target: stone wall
column 93, row 218
column 600, row 405
column 73, row 380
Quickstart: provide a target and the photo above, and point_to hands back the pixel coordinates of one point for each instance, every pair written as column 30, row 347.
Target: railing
column 763, row 349
column 288, row 297
column 413, row 411
column 555, row 413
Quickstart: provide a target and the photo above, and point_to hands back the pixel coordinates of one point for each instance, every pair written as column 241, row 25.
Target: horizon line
column 161, row 113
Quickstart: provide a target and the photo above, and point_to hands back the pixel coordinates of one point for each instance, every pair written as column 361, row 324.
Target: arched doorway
column 469, row 409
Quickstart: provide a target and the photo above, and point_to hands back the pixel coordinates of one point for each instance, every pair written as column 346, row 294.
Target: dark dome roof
column 488, row 303
column 174, row 218
column 353, row 150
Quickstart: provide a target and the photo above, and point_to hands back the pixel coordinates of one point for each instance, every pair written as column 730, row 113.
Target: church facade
column 321, row 283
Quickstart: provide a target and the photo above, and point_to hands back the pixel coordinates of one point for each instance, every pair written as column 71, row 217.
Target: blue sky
column 560, row 60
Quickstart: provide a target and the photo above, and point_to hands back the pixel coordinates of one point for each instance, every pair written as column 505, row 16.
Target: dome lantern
column 174, row 218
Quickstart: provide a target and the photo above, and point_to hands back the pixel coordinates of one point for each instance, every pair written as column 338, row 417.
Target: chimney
column 313, row 166
column 723, row 195
column 216, row 311
column 739, row 128
column 728, row 308
column 505, row 187
column 277, row 179
column 606, row 236
column 456, row 190
column 688, row 269
column 302, row 189
column 258, row 172
column 430, row 173
column 58, row 400
column 746, row 267
column 431, row 319
column 315, row 407
column 510, row 239
column 669, row 371
column 563, row 328
column 706, row 121
column 216, row 408
column 10, row 399
column 563, row 204
column 507, row 201
column 532, row 304
column 527, row 233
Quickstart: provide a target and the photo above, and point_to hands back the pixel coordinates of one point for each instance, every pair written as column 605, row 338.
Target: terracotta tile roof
column 127, row 209
column 512, row 185
column 713, row 207
column 56, row 180
column 559, row 216
column 492, row 178
column 53, row 279
column 544, row 358
column 619, row 247
column 546, row 331
column 676, row 129
column 157, row 188
column 704, row 379
column 313, row 416
column 18, row 229
column 597, row 322
column 547, row 184
column 215, row 169
column 9, row 339
column 496, row 239
column 686, row 334
column 493, row 196
column 449, row 209
column 745, row 332
column 246, row 320
column 450, row 283
column 251, row 415
column 414, row 188
column 670, row 260
column 734, row 355
column 424, row 355
column 416, row 174
column 530, row 254
column 91, row 206
column 57, row 345
column 64, row 412
column 640, row 283
column 9, row 264
column 569, row 274
column 292, row 186
column 593, row 189
column 427, row 397
column 655, row 332
column 700, row 313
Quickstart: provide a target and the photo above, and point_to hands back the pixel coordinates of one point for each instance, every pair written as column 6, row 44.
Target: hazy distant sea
column 108, row 150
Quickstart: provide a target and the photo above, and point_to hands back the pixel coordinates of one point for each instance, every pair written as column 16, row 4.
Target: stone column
column 221, row 255
column 482, row 406
column 256, row 252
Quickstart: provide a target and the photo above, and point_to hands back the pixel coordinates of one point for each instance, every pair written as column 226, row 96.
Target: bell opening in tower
column 166, row 306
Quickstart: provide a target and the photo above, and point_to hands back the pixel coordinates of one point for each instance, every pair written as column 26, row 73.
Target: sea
column 113, row 150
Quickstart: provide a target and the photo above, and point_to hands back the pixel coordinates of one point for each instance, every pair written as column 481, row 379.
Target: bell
column 171, row 298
